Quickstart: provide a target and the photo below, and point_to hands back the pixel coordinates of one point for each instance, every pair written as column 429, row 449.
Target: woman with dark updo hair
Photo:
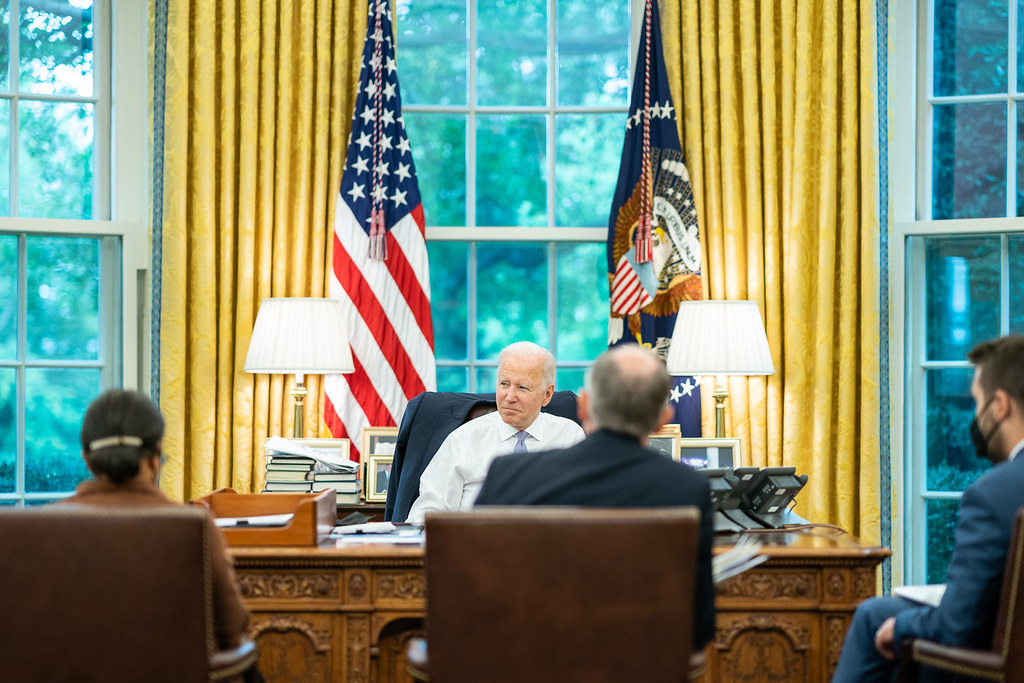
column 121, row 438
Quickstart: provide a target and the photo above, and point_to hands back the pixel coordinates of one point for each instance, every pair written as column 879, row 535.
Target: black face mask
column 980, row 440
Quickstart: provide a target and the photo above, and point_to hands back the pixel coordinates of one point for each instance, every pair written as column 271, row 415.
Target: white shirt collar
column 1015, row 451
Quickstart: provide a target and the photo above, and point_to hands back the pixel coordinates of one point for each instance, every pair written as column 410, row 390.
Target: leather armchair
column 1005, row 660
column 112, row 595
column 428, row 420
column 539, row 594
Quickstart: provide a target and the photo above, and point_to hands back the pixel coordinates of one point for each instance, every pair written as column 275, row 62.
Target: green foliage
column 55, row 160
column 962, row 277
column 942, row 517
column 438, row 145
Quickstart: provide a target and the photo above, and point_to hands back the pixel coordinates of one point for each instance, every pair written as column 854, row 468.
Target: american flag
column 654, row 256
column 379, row 270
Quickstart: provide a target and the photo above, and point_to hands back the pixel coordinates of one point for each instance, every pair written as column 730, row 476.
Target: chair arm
column 977, row 663
column 229, row 663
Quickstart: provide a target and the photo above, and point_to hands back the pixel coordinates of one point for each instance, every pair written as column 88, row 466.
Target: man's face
column 520, row 391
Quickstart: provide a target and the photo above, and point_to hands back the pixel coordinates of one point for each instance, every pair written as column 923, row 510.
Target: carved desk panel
column 327, row 614
column 330, row 614
column 786, row 619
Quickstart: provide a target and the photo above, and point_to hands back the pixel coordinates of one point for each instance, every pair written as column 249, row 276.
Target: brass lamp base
column 298, row 394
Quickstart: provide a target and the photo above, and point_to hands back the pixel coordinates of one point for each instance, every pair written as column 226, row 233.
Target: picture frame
column 711, row 454
column 375, row 441
column 666, row 441
column 378, row 472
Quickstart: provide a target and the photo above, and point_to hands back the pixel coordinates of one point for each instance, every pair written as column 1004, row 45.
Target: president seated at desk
column 526, row 382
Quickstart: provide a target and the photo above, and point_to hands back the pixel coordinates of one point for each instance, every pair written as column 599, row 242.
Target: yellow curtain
column 778, row 129
column 258, row 99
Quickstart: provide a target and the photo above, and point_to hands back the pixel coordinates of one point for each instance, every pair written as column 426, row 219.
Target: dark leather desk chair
column 428, row 420
column 109, row 595
column 542, row 594
column 1005, row 661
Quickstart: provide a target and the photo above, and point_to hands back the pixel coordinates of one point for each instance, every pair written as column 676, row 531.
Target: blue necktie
column 520, row 442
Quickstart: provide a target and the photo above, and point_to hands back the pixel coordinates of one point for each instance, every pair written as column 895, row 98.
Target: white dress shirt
column 452, row 480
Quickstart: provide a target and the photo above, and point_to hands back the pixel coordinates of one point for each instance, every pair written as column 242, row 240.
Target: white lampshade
column 719, row 338
column 300, row 336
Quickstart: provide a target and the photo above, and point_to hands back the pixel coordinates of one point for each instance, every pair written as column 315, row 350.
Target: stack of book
column 296, row 468
column 289, row 473
column 346, row 484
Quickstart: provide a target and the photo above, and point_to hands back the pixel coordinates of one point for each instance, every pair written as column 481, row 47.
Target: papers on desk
column 324, row 456
column 256, row 521
column 923, row 595
column 377, row 533
column 737, row 559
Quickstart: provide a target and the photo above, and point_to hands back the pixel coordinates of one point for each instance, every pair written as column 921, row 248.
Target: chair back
column 101, row 594
column 428, row 420
column 1008, row 638
column 544, row 594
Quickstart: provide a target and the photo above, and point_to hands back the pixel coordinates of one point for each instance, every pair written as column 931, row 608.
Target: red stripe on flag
column 409, row 285
column 367, row 397
column 380, row 326
column 625, row 291
column 337, row 427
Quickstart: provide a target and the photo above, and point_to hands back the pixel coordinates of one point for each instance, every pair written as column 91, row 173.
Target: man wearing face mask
column 966, row 616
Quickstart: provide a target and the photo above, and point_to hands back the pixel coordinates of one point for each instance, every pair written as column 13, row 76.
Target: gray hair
column 628, row 388
column 525, row 349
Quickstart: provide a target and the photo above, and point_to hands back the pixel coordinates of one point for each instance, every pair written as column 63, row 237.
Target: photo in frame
column 666, row 441
column 710, row 454
column 378, row 473
column 376, row 441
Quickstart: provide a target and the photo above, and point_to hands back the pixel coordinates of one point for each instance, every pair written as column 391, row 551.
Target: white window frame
column 123, row 163
column 909, row 157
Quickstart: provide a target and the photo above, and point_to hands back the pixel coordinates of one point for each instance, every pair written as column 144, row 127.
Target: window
column 964, row 250
column 515, row 113
column 57, row 351
column 67, row 272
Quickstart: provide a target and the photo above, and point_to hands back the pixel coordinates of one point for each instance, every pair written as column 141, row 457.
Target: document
column 737, row 559
column 367, row 528
column 255, row 521
column 324, row 456
column 411, row 536
column 923, row 595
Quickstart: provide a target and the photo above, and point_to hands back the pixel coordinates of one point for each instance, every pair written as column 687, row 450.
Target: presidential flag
column 654, row 255
column 379, row 269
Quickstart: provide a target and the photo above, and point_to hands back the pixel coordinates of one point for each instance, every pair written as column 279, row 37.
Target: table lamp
column 299, row 336
column 719, row 338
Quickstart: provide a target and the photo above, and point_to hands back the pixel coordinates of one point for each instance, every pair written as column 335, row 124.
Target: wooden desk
column 329, row 614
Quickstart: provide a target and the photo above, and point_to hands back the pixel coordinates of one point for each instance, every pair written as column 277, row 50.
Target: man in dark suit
column 966, row 615
column 624, row 401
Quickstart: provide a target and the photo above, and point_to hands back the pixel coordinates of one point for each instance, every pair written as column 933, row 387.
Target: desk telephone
column 754, row 498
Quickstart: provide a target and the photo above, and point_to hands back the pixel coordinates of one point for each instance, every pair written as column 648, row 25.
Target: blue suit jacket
column 966, row 616
column 608, row 469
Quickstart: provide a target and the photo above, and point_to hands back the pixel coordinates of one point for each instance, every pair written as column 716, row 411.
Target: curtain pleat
column 778, row 128
column 258, row 99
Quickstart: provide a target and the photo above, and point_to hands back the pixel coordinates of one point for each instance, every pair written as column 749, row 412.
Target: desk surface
column 323, row 613
column 801, row 543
